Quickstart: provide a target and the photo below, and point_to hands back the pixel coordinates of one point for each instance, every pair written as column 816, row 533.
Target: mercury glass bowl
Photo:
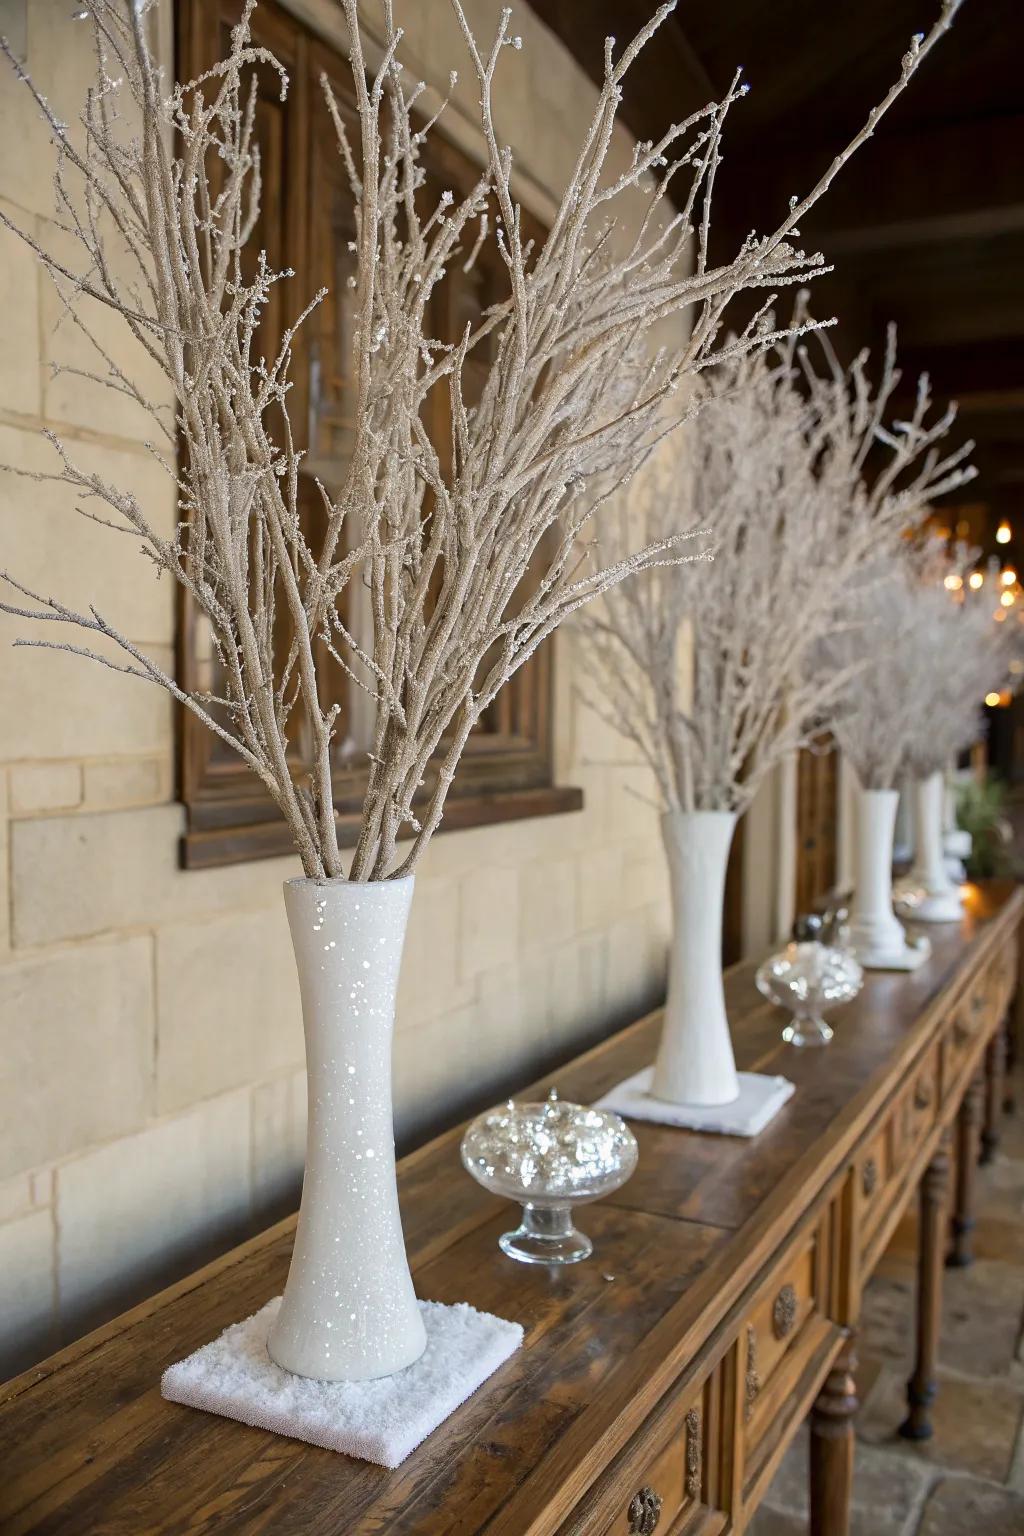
column 551, row 1157
column 806, row 977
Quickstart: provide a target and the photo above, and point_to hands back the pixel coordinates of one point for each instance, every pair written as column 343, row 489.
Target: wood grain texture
column 699, row 1246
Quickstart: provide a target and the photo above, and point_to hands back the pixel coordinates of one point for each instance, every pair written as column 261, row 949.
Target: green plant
column 980, row 810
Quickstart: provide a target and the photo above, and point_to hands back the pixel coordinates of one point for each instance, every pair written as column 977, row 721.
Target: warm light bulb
column 953, row 583
column 976, row 580
column 991, row 699
column 1003, row 533
column 1008, row 577
column 1007, row 599
column 999, row 615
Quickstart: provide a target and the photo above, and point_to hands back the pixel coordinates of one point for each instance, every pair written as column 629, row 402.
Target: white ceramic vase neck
column 877, row 937
column 695, row 1063
column 349, row 1311
column 941, row 900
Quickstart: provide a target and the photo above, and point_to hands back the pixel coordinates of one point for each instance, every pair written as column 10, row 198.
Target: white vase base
column 380, row 1421
column 909, row 957
column 759, row 1100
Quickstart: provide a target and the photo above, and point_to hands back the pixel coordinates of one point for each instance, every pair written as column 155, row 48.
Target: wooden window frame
column 507, row 771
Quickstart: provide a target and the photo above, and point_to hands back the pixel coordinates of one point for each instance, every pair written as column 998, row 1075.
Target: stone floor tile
column 887, row 1488
column 772, row 1522
column 962, row 1506
column 976, row 1425
column 982, row 1309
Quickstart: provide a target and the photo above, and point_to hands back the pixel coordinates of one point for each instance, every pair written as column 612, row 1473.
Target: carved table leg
column 968, row 1130
column 995, row 1084
column 921, row 1387
column 832, row 1446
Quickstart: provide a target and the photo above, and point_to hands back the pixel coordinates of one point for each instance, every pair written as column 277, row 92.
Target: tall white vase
column 877, row 937
column 940, row 902
column 695, row 1063
column 349, row 1311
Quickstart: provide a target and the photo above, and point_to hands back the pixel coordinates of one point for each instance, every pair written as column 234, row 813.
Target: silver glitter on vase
column 349, row 1311
column 550, row 1156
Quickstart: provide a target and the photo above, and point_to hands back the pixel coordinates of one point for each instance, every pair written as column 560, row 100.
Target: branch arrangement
column 914, row 664
column 160, row 198
column 709, row 670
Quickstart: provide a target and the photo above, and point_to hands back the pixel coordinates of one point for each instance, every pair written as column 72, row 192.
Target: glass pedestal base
column 546, row 1235
column 808, row 1031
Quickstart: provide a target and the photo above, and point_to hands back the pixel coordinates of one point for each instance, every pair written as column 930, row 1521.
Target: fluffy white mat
column 760, row 1099
column 379, row 1421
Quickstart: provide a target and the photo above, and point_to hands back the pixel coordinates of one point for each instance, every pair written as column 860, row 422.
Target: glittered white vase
column 349, row 1311
column 877, row 937
column 695, row 1062
column 940, row 900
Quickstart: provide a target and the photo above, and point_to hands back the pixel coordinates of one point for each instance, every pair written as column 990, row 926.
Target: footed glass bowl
column 807, row 977
column 551, row 1157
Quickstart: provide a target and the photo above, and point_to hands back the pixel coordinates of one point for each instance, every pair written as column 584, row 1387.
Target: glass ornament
column 549, row 1156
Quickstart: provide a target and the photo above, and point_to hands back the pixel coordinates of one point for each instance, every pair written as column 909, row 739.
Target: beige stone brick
column 5, row 867
column 547, row 910
column 227, row 1006
column 76, row 1040
column 20, row 371
column 599, row 886
column 142, row 1209
column 16, row 1196
column 55, row 705
column 56, row 551
column 278, row 1144
column 44, row 787
column 488, row 919
column 128, row 782
column 578, row 987
column 428, row 1091
column 27, row 1311
column 636, row 965
column 645, row 880
column 119, row 869
column 429, row 982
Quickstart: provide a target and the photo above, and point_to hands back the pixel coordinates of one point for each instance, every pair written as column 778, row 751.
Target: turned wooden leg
column 968, row 1130
column 921, row 1387
column 832, row 1446
column 995, row 1092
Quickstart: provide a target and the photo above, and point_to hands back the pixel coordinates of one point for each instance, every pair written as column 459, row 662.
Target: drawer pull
column 644, row 1512
column 961, row 1034
column 869, row 1178
column 784, row 1312
column 693, row 1453
column 922, row 1096
column 753, row 1379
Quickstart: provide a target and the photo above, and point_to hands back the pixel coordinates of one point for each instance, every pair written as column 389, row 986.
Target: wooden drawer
column 918, row 1109
column 876, row 1176
column 778, row 1334
column 971, row 1022
column 660, row 1477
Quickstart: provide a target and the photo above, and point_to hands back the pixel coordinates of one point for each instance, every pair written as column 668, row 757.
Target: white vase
column 349, row 1311
column 695, row 1063
column 940, row 899
column 877, row 937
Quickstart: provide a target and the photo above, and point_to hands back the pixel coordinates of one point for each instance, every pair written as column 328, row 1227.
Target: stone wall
column 152, row 1098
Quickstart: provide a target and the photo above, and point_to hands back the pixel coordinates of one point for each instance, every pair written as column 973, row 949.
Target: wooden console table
column 661, row 1381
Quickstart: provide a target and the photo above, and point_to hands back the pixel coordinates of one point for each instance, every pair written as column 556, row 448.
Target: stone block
column 228, row 1008
column 146, row 1208
column 599, row 876
column 962, row 1506
column 44, row 787
column 54, row 550
column 27, row 1295
column 76, row 1040
column 547, row 902
column 129, row 781
column 429, row 983
column 488, row 919
column 20, row 369
column 119, row 869
column 278, row 1145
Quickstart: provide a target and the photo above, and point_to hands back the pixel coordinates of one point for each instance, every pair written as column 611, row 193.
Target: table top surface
column 90, row 1446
